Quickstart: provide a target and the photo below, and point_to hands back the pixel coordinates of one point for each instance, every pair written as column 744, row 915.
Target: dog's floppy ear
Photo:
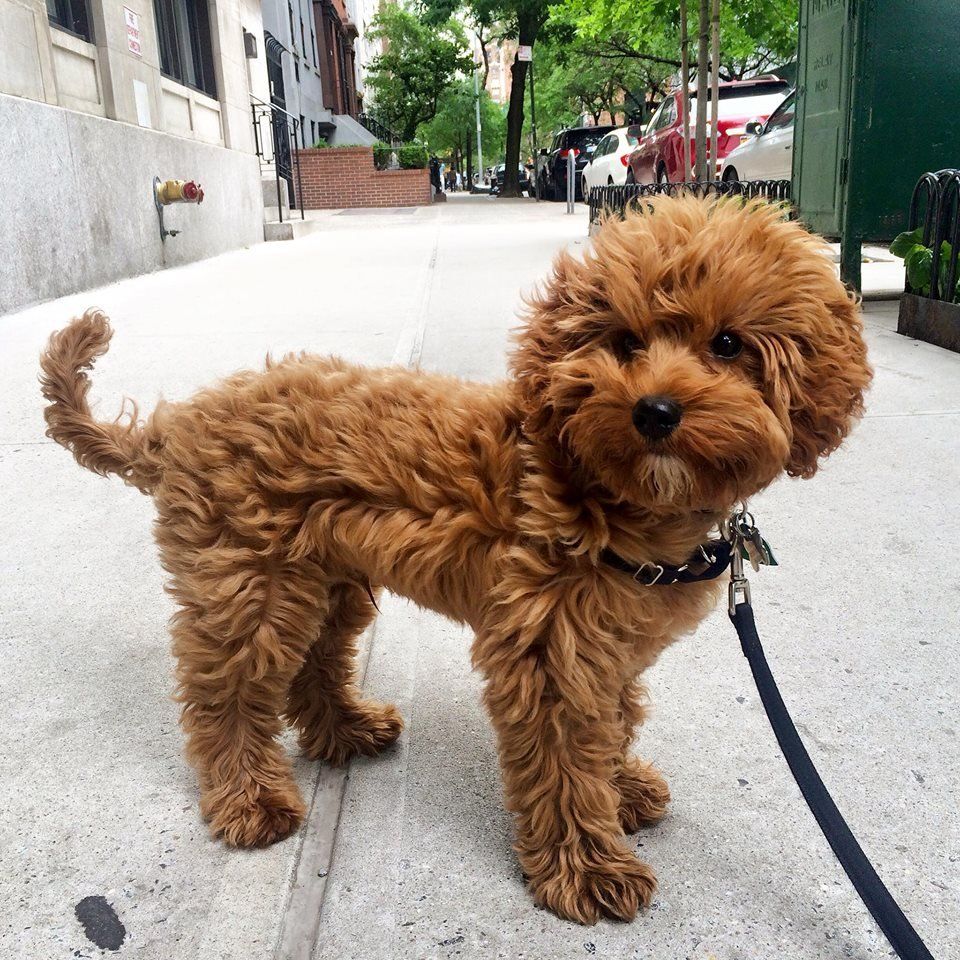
column 822, row 375
column 557, row 317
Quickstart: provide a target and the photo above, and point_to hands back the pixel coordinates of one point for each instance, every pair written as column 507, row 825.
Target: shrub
column 381, row 154
column 321, row 144
column 412, row 156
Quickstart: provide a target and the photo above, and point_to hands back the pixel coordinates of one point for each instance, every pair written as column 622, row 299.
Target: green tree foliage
column 521, row 20
column 419, row 62
column 454, row 128
column 755, row 35
column 571, row 81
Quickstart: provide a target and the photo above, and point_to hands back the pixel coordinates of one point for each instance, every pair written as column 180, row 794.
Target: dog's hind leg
column 239, row 636
column 644, row 793
column 324, row 703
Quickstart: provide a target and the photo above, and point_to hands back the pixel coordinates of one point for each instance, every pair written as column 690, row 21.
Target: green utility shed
column 878, row 104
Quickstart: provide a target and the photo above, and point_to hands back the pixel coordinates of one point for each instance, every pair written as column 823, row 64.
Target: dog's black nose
column 657, row 417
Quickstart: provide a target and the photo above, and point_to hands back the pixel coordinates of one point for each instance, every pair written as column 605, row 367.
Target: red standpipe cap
column 190, row 190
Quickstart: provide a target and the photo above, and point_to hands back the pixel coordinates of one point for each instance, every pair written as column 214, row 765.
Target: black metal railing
column 378, row 129
column 276, row 135
column 618, row 199
column 937, row 195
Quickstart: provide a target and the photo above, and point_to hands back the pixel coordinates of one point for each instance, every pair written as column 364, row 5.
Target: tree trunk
column 714, row 86
column 511, row 184
column 702, row 66
column 511, row 180
column 685, row 88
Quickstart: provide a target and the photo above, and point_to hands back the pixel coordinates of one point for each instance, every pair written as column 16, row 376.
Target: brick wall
column 346, row 177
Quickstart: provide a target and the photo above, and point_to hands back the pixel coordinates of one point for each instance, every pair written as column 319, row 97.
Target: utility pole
column 476, row 104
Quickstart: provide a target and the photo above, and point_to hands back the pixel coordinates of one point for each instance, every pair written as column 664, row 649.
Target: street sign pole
column 476, row 103
column 571, row 181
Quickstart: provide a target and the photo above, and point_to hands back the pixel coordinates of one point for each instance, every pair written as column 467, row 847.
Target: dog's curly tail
column 117, row 447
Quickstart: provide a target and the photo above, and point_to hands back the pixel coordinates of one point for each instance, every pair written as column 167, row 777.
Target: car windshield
column 584, row 138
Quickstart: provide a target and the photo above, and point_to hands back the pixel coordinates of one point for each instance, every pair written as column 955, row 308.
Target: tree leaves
column 419, row 62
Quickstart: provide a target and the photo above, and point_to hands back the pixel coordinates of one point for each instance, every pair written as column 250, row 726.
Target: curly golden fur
column 283, row 495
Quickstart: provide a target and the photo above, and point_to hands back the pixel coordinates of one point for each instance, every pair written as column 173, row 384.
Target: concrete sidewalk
column 409, row 855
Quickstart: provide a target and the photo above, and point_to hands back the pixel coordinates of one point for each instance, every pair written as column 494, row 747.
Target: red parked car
column 658, row 157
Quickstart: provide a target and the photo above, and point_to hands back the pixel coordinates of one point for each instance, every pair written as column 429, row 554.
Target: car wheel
column 662, row 175
column 730, row 174
column 584, row 188
column 609, row 181
column 630, row 177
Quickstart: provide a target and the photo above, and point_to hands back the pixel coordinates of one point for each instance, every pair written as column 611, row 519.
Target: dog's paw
column 644, row 795
column 369, row 729
column 244, row 820
column 616, row 886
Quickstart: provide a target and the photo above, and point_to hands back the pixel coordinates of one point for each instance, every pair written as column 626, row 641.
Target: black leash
column 875, row 896
column 741, row 537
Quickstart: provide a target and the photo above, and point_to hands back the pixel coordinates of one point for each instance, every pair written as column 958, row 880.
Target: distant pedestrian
column 435, row 174
column 459, row 185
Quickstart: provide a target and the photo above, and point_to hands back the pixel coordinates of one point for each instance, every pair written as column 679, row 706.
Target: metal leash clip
column 740, row 531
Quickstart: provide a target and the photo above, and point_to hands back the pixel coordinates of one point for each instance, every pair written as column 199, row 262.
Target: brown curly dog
column 700, row 350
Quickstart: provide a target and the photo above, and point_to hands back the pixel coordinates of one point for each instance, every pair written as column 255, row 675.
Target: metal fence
column 276, row 134
column 936, row 206
column 618, row 200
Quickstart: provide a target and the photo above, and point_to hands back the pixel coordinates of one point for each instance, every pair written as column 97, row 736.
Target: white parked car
column 767, row 152
column 608, row 163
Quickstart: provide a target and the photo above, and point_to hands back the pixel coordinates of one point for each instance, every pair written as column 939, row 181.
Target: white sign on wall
column 525, row 53
column 133, row 31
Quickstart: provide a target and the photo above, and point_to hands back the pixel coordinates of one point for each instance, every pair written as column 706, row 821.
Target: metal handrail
column 284, row 158
column 378, row 129
column 256, row 101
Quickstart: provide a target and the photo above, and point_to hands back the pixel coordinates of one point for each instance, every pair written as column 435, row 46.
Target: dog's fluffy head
column 641, row 315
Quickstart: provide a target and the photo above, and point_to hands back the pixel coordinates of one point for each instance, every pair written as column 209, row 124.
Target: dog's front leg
column 553, row 697
column 644, row 793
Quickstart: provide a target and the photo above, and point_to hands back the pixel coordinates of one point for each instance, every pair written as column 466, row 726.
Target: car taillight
column 625, row 159
column 573, row 150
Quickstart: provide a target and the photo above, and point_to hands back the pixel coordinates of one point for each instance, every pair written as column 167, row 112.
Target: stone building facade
column 96, row 98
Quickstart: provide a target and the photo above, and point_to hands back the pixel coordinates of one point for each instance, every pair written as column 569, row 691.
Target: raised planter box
column 346, row 177
column 934, row 321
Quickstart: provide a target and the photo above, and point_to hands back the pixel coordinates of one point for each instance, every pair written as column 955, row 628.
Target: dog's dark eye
column 625, row 345
column 726, row 345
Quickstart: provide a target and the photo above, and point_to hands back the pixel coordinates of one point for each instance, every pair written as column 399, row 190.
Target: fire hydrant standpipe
column 166, row 192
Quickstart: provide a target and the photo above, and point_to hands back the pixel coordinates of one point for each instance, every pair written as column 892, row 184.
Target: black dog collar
column 707, row 563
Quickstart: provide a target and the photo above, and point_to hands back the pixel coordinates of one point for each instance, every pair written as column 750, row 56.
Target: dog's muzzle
column 656, row 417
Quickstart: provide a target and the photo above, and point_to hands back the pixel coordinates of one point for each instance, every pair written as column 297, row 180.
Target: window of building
column 70, row 15
column 183, row 35
column 313, row 47
column 303, row 132
column 303, row 40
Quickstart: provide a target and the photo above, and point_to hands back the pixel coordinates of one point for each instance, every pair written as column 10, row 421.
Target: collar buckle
column 642, row 574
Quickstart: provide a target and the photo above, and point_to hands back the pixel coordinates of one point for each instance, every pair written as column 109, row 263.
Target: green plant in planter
column 321, row 144
column 412, row 156
column 918, row 260
column 381, row 154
